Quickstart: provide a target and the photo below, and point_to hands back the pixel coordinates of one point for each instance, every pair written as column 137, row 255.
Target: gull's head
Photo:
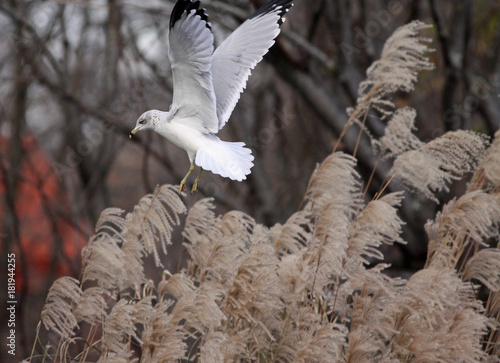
column 147, row 121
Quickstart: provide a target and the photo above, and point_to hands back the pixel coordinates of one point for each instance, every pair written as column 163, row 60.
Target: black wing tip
column 279, row 6
column 182, row 6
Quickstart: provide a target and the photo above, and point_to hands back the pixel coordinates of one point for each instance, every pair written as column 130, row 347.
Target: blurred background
column 76, row 74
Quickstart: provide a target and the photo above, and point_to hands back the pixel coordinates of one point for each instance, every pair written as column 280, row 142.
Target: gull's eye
column 142, row 122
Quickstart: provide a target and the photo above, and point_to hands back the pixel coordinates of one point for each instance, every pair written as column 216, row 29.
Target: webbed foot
column 182, row 187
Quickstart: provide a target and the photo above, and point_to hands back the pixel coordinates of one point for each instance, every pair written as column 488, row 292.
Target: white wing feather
column 190, row 53
column 239, row 53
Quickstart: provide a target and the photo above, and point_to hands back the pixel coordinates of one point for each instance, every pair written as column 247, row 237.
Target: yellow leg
column 195, row 185
column 182, row 186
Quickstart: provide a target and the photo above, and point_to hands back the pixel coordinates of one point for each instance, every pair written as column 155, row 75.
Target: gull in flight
column 207, row 85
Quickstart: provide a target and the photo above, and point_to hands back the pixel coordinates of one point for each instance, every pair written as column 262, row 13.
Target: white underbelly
column 184, row 137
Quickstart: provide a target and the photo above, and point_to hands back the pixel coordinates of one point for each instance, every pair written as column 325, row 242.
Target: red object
column 48, row 231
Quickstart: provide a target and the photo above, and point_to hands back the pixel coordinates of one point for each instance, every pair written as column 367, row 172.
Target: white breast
column 184, row 137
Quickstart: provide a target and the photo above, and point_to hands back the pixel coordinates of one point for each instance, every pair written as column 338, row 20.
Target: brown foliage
column 312, row 289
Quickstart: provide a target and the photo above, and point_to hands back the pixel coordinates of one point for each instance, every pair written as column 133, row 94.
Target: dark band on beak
column 132, row 133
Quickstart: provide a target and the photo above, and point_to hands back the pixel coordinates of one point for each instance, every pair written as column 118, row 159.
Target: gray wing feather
column 234, row 59
column 190, row 53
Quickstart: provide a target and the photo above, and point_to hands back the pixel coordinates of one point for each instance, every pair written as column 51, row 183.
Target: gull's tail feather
column 228, row 159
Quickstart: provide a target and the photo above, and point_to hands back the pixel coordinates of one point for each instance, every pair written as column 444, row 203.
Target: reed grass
column 312, row 289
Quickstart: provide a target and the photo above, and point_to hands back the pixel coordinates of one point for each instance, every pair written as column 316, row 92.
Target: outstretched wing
column 234, row 59
column 191, row 45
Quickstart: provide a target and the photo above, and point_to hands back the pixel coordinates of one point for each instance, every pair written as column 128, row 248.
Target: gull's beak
column 132, row 133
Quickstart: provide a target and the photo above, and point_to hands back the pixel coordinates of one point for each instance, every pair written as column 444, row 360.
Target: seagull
column 207, row 84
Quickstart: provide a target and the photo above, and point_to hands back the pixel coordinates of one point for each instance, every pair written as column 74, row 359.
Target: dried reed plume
column 312, row 289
